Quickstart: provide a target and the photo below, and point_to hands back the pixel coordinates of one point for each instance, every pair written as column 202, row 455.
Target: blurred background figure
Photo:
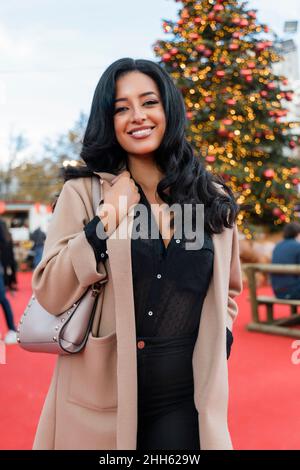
column 11, row 336
column 8, row 259
column 287, row 251
column 38, row 237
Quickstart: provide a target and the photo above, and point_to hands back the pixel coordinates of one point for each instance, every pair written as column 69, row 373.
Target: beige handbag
column 67, row 333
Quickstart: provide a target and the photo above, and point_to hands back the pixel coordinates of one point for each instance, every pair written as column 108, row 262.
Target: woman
column 8, row 260
column 11, row 335
column 151, row 375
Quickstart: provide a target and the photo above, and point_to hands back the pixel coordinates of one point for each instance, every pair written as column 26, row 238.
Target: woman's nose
column 138, row 114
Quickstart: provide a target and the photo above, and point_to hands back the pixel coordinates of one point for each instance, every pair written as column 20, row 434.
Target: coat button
column 141, row 344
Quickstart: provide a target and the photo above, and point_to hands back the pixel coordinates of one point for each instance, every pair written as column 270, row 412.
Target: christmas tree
column 221, row 57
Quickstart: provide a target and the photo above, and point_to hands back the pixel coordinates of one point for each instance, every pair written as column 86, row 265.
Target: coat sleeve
column 68, row 266
column 235, row 280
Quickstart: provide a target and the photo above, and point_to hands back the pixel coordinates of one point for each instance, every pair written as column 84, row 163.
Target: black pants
column 167, row 416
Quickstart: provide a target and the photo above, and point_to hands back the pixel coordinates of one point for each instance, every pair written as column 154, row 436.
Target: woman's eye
column 150, row 102
column 117, row 110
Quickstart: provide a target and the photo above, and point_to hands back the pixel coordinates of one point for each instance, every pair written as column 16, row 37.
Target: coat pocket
column 93, row 378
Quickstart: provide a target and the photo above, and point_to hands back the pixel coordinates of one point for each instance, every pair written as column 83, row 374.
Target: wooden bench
column 279, row 326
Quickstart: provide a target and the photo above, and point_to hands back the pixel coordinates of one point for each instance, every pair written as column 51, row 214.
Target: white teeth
column 142, row 132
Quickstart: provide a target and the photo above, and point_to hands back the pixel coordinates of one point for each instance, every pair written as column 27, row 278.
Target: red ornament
column 282, row 217
column 207, row 52
column 220, row 73
column 295, row 181
column 292, row 144
column 251, row 65
column 197, row 20
column 294, row 170
column 236, row 20
column 180, row 22
column 227, row 122
column 166, row 57
column 231, row 102
column 237, row 34
column 249, row 78
column 260, row 46
column 211, row 16
column 276, row 211
column 266, row 29
column 233, row 46
column 289, row 96
column 210, row 158
column 245, row 72
column 252, row 14
column 285, row 81
column 173, row 51
column 222, row 60
column 271, row 86
column 246, row 186
column 194, row 69
column 218, row 7
column 269, row 173
column 244, row 22
column 208, row 99
column 194, row 36
column 200, row 47
column 189, row 114
column 264, row 93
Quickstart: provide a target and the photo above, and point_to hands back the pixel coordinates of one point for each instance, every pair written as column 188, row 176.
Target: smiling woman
column 140, row 122
column 153, row 374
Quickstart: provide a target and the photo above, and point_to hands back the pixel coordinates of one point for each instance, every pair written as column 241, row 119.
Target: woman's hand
column 110, row 211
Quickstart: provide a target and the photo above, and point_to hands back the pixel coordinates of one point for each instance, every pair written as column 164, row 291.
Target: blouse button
column 102, row 255
column 141, row 344
column 150, row 312
column 178, row 241
column 158, row 276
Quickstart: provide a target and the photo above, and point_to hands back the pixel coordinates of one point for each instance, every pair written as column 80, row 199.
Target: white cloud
column 14, row 49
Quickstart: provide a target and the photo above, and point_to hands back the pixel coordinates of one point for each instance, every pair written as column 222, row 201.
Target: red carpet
column 264, row 386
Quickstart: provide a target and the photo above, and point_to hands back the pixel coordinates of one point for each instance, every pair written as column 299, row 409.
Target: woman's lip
column 141, row 136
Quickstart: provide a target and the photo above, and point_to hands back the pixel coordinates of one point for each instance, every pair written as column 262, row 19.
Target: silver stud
column 54, row 338
column 63, row 319
column 18, row 339
column 33, row 297
column 21, row 321
column 56, row 328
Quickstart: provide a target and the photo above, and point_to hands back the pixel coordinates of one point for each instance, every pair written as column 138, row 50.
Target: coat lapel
column 119, row 255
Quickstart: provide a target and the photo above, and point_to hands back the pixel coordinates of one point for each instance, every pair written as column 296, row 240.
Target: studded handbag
column 66, row 333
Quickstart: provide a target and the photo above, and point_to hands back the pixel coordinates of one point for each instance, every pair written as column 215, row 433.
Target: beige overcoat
column 92, row 399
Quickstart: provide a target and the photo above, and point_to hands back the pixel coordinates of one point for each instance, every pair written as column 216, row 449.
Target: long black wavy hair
column 185, row 176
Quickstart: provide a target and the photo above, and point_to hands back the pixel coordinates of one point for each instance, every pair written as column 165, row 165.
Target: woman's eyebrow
column 142, row 94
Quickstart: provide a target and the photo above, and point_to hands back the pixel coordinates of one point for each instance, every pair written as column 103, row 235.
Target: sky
column 52, row 54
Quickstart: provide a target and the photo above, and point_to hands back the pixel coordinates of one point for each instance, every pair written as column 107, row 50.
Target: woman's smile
column 141, row 134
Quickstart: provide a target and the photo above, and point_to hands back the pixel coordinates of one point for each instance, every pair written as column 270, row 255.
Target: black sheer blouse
column 169, row 284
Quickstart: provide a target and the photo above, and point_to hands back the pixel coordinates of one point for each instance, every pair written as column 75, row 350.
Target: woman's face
column 139, row 118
